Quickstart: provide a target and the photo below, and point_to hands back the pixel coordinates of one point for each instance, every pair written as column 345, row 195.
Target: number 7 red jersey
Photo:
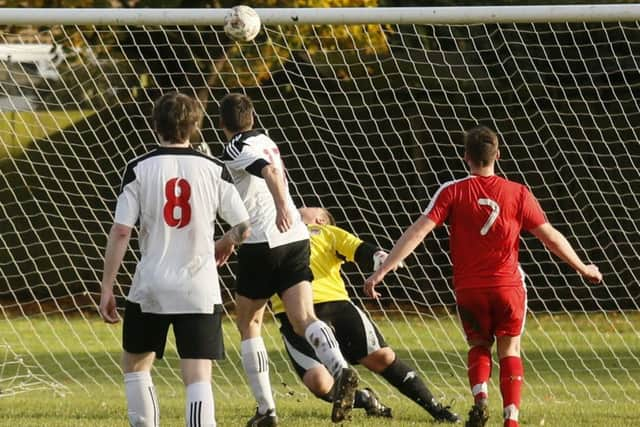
column 485, row 216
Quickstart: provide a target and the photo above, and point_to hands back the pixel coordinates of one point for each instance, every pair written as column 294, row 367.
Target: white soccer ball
column 242, row 23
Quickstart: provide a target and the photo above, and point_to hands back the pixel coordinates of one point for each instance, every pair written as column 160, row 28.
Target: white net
column 369, row 119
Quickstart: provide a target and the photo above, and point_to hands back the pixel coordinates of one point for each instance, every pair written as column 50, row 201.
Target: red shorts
column 492, row 312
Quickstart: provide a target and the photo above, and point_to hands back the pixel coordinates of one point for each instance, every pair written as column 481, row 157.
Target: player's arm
column 232, row 210
column 558, row 244
column 126, row 215
column 405, row 246
column 277, row 187
column 368, row 256
column 117, row 244
column 227, row 243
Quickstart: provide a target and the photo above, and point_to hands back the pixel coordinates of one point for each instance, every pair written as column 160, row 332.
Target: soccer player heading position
column 486, row 214
column 175, row 193
column 275, row 259
column 358, row 337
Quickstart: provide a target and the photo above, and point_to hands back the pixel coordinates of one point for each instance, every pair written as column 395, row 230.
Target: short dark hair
column 481, row 145
column 236, row 112
column 176, row 117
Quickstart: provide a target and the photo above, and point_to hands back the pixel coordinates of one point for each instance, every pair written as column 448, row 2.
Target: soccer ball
column 242, row 23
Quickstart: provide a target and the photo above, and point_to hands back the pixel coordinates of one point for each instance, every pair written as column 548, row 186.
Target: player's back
column 245, row 156
column 486, row 215
column 177, row 192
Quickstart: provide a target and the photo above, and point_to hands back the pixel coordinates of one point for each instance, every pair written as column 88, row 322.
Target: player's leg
column 475, row 315
column 356, row 331
column 199, row 340
column 298, row 304
column 295, row 291
column 253, row 288
column 143, row 336
column 315, row 375
column 508, row 330
column 255, row 359
column 199, row 402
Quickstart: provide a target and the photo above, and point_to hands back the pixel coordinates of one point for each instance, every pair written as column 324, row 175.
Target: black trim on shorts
column 197, row 335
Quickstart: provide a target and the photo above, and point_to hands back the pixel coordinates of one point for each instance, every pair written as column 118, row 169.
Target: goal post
column 368, row 107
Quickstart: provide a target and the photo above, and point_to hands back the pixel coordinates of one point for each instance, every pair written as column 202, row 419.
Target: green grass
column 18, row 129
column 580, row 371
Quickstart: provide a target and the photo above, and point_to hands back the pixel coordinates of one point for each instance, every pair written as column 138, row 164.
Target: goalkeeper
column 358, row 338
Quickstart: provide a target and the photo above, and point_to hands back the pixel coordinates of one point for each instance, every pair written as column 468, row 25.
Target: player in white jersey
column 173, row 193
column 275, row 259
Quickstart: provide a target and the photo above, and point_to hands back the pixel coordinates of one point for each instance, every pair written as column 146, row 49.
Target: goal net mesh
column 369, row 120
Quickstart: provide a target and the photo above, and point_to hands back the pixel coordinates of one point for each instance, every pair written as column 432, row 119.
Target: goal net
column 369, row 117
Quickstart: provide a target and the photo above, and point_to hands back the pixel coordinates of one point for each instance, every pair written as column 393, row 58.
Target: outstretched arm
column 405, row 245
column 116, row 247
column 560, row 246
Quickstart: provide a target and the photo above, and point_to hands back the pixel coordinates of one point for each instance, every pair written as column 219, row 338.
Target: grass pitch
column 580, row 371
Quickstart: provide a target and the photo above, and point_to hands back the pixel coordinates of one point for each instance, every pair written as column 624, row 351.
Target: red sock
column 479, row 371
column 511, row 377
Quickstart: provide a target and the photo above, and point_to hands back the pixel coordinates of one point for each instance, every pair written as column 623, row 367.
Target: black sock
column 407, row 381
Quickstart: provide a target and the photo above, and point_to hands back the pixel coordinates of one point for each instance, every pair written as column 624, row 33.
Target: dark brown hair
column 481, row 145
column 236, row 112
column 176, row 117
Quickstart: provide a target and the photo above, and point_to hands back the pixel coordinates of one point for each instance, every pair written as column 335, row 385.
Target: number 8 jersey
column 486, row 215
column 175, row 194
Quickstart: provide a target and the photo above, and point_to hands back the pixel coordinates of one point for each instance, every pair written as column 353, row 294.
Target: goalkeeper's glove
column 378, row 259
column 202, row 147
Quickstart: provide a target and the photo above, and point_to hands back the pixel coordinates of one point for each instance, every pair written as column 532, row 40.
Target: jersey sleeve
column 440, row 206
column 532, row 214
column 128, row 204
column 346, row 244
column 230, row 206
column 241, row 156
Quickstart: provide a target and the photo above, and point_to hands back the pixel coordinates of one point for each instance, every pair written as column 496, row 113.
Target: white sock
column 324, row 343
column 200, row 408
column 256, row 364
column 142, row 402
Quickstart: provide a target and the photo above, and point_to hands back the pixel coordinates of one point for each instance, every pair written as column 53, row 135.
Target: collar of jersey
column 173, row 150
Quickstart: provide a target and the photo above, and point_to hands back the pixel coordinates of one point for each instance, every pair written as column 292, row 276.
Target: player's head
column 236, row 113
column 481, row 146
column 176, row 117
column 319, row 216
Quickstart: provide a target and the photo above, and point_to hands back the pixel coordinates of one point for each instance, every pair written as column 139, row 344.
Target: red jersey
column 485, row 215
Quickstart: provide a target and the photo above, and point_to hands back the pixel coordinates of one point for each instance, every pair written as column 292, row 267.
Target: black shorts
column 198, row 335
column 264, row 271
column 355, row 332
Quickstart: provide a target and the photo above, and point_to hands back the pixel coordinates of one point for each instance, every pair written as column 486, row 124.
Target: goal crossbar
column 322, row 16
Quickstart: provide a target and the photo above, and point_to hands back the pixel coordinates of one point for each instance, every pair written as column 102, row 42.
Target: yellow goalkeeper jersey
column 331, row 246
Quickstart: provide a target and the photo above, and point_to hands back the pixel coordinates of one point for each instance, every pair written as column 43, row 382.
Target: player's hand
column 223, row 248
column 378, row 259
column 202, row 147
column 283, row 219
column 108, row 309
column 370, row 285
column 592, row 274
